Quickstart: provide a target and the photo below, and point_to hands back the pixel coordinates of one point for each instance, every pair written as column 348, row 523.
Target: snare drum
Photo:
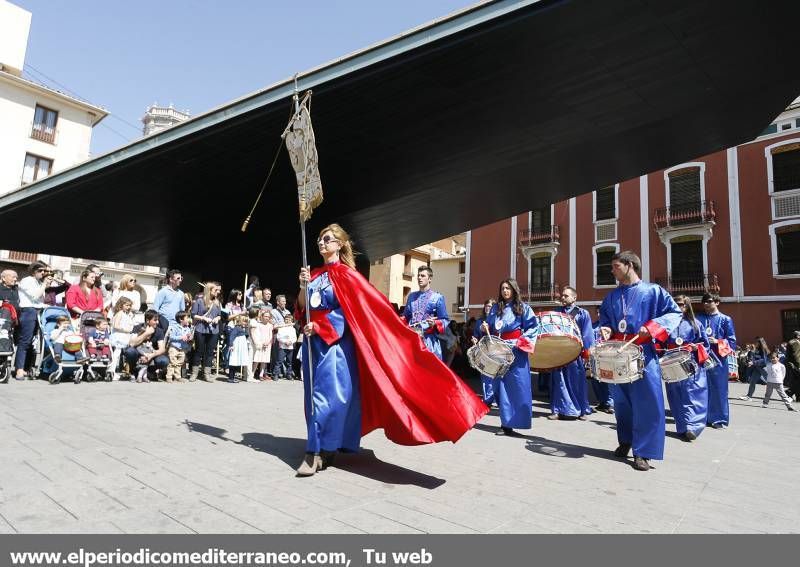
column 677, row 365
column 491, row 356
column 558, row 341
column 73, row 343
column 613, row 366
column 733, row 367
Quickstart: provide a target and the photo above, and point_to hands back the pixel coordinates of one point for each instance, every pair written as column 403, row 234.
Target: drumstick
column 626, row 345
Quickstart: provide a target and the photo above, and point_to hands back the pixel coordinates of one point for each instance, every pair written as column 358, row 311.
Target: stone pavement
column 219, row 458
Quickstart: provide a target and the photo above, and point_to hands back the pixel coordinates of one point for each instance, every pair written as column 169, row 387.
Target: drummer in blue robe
column 644, row 312
column 688, row 399
column 488, row 397
column 722, row 337
column 514, row 322
column 602, row 391
column 425, row 310
column 568, row 393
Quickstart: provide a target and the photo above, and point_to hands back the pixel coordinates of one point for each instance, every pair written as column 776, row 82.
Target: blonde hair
column 346, row 252
column 125, row 280
column 121, row 303
column 207, row 301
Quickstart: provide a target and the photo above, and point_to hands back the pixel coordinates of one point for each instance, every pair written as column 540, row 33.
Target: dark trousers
column 204, row 346
column 132, row 356
column 283, row 366
column 28, row 323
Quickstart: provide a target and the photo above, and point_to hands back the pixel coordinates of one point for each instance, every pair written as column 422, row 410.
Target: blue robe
column 513, row 391
column 568, row 392
column 336, row 420
column 488, row 396
column 419, row 306
column 602, row 390
column 688, row 399
column 639, row 406
column 721, row 328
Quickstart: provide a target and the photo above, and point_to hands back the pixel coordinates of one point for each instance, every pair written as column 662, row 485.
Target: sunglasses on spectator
column 327, row 240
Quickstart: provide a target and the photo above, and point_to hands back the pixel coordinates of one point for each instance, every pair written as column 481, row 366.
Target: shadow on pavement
column 557, row 449
column 290, row 450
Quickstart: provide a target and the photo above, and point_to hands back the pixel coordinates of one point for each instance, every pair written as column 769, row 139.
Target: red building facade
column 728, row 223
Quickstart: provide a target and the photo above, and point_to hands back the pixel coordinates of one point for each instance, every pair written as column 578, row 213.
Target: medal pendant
column 498, row 324
column 622, row 325
column 316, row 299
column 679, row 341
column 709, row 331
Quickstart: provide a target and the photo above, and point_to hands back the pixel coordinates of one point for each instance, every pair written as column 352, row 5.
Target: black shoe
column 327, row 459
column 623, row 450
column 508, row 432
column 641, row 464
column 689, row 436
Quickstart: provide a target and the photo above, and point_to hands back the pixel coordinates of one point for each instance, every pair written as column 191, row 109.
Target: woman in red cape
column 370, row 370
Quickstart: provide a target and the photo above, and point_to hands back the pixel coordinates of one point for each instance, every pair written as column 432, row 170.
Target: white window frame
column 687, row 165
column 770, row 180
column 773, row 245
column 595, row 248
column 704, row 237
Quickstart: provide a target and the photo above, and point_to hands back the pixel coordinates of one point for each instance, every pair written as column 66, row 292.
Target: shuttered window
column 790, row 321
column 788, row 245
column 786, row 168
column 540, row 272
column 687, row 261
column 540, row 220
column 605, row 204
column 684, row 188
column 603, row 275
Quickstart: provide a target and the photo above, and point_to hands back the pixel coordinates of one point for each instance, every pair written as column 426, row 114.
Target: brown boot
column 641, row 464
column 194, row 374
column 207, row 375
column 310, row 465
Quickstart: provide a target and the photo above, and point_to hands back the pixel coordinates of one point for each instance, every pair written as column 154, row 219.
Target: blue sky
column 197, row 54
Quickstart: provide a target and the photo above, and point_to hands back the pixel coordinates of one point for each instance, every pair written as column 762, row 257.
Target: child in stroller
column 63, row 351
column 8, row 318
column 95, row 332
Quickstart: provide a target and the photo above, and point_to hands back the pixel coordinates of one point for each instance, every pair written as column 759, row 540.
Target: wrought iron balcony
column 534, row 237
column 697, row 284
column 43, row 133
column 538, row 294
column 682, row 215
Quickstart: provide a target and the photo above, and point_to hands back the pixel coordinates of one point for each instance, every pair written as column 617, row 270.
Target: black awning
column 508, row 107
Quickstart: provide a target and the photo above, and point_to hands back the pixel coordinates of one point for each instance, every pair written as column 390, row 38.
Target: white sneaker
column 744, row 398
column 790, row 407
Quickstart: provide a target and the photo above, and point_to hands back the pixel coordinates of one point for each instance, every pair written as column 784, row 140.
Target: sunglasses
column 327, row 240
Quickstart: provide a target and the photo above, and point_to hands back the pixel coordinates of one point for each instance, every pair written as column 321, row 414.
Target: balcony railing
column 532, row 237
column 28, row 257
column 700, row 213
column 43, row 133
column 539, row 294
column 690, row 285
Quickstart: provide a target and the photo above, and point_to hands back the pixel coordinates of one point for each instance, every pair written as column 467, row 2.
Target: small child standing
column 286, row 337
column 99, row 339
column 181, row 335
column 239, row 351
column 776, row 372
column 261, row 337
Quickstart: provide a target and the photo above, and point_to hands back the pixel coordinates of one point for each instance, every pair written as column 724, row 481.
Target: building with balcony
column 396, row 276
column 727, row 223
column 157, row 118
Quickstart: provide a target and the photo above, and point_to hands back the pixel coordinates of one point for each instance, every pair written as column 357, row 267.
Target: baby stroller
column 8, row 318
column 95, row 368
column 73, row 358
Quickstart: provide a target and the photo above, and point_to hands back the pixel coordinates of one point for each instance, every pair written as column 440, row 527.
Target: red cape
column 405, row 389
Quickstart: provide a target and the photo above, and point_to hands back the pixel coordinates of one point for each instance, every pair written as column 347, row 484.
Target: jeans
column 283, row 366
column 132, row 356
column 28, row 323
column 757, row 375
column 204, row 347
